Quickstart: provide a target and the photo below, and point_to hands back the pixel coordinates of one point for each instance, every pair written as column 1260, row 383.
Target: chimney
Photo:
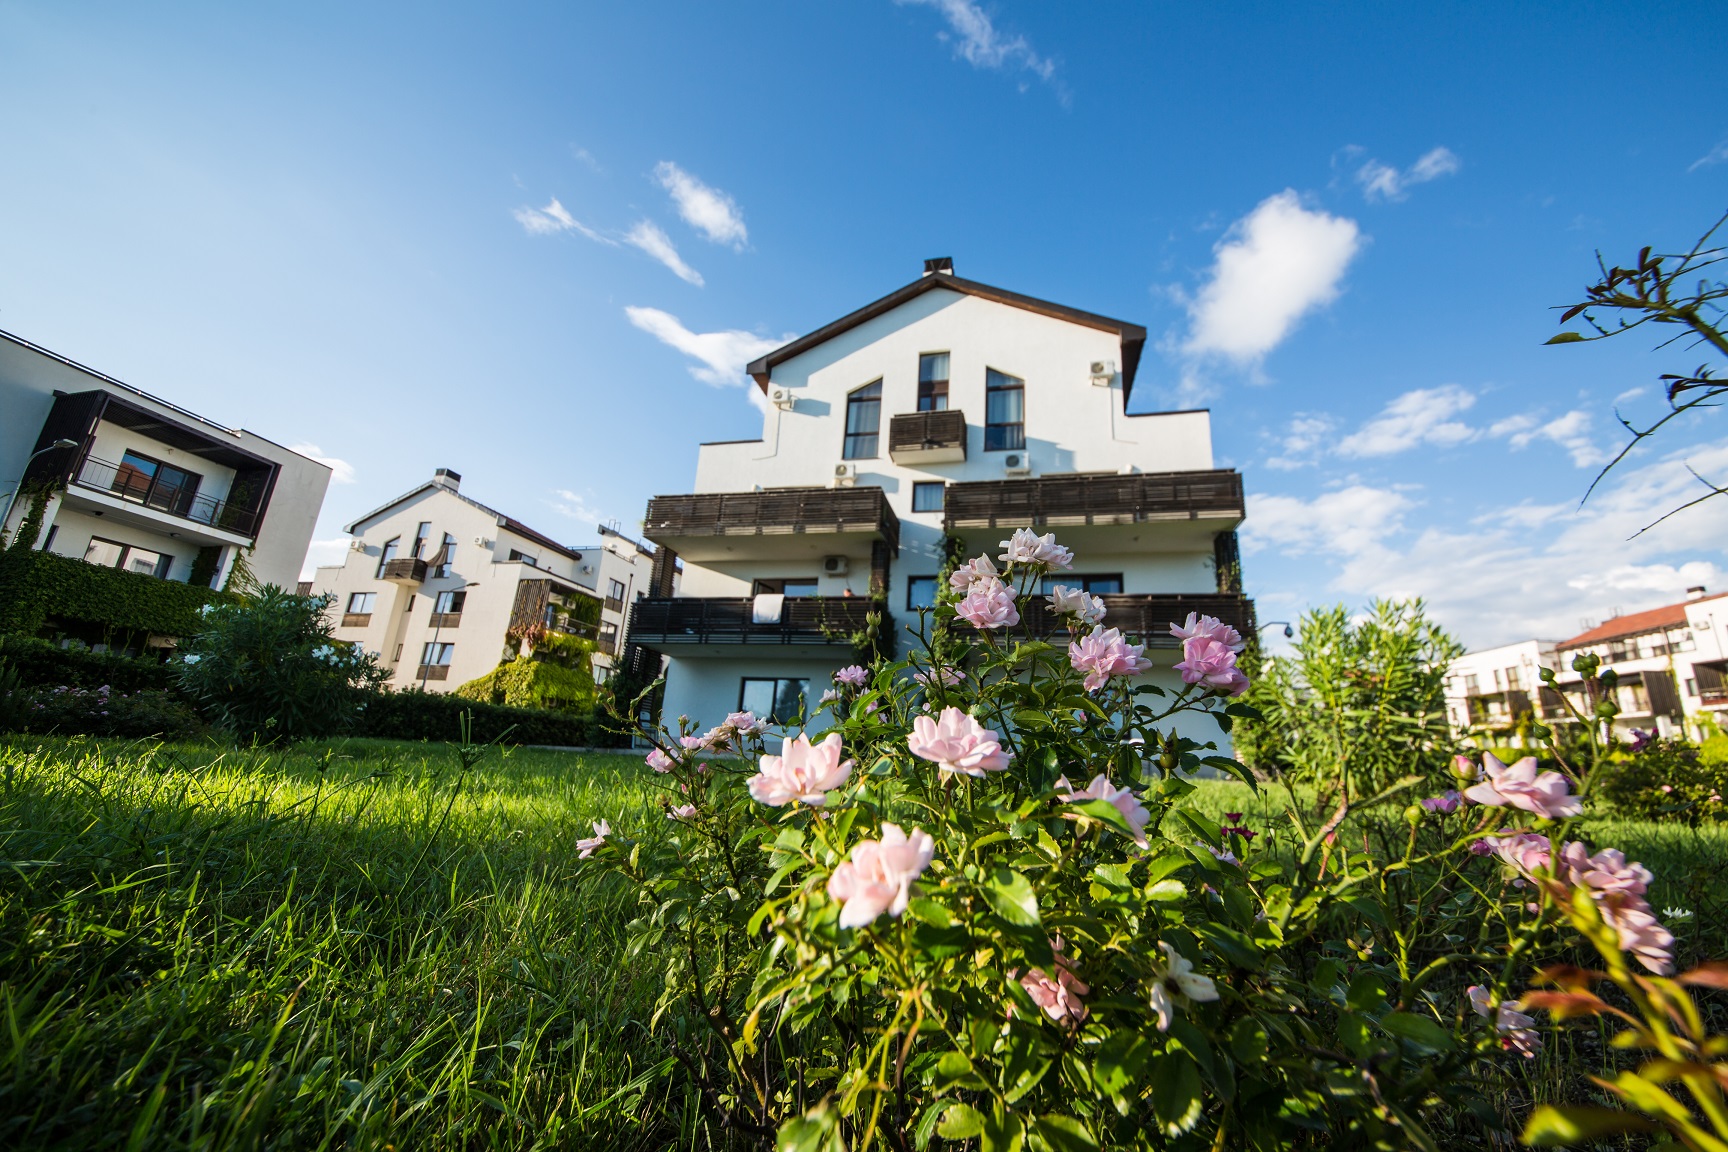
column 939, row 264
column 445, row 478
column 1696, row 592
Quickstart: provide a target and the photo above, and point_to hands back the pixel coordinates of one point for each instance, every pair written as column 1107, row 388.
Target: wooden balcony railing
column 403, row 571
column 1147, row 617
column 615, row 603
column 1094, row 499
column 660, row 623
column 446, row 619
column 356, row 619
column 778, row 511
column 927, row 437
column 432, row 672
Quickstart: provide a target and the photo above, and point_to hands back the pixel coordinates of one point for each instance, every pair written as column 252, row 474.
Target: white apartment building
column 1671, row 662
column 445, row 588
column 144, row 485
column 946, row 407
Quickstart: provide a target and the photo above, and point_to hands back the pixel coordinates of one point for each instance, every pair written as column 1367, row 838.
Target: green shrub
column 417, row 715
column 528, row 683
column 103, row 712
column 37, row 586
column 269, row 667
column 41, row 664
column 1667, row 780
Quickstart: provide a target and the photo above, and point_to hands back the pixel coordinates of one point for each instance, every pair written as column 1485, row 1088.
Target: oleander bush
column 983, row 906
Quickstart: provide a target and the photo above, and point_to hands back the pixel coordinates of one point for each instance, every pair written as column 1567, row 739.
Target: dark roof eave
column 1133, row 336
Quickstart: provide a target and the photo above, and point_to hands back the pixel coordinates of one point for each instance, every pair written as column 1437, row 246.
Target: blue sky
column 535, row 244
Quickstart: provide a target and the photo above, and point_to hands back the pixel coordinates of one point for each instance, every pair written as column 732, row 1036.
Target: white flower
column 1677, row 914
column 1178, row 975
column 191, row 658
column 1027, row 547
column 1075, row 602
column 586, row 847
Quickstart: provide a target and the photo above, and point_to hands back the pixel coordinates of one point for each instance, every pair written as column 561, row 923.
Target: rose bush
column 914, row 928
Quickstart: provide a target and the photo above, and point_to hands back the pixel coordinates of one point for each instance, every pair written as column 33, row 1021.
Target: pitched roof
column 504, row 521
column 1133, row 335
column 1636, row 623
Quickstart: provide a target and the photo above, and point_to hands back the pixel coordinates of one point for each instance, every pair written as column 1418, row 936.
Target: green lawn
column 200, row 947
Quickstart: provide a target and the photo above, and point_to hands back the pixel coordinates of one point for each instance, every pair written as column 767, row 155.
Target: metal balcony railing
column 135, row 487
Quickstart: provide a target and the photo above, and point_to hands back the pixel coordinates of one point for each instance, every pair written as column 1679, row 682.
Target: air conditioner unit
column 482, row 542
column 356, row 545
column 845, row 475
column 782, row 398
column 1103, row 371
column 1017, row 464
column 588, row 569
column 833, row 565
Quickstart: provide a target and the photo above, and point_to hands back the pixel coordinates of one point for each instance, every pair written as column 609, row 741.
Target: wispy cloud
column 553, row 219
column 1571, row 431
column 648, row 236
column 1303, row 442
column 1273, row 266
column 341, row 472
column 1716, row 155
column 574, row 505
column 1420, row 416
column 976, row 40
column 720, row 356
column 708, row 210
column 323, row 554
column 1383, row 182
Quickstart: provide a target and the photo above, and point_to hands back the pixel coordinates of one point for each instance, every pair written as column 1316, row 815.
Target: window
column 127, row 557
column 449, row 603
column 608, row 635
column 927, row 495
column 150, row 481
column 1097, row 585
column 48, row 544
column 1471, row 685
column 420, row 535
column 436, row 655
column 531, row 561
column 791, row 586
column 1691, row 687
column 920, row 592
column 446, row 555
column 1004, row 411
column 1513, row 680
column 781, row 701
column 863, row 419
column 615, row 590
column 933, row 382
column 360, row 603
column 388, row 553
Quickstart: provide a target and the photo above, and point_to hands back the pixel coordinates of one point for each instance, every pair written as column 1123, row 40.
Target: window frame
column 444, row 648
column 386, row 553
column 803, row 682
column 449, row 548
column 366, row 600
column 997, row 434
column 853, row 443
column 449, row 602
column 760, row 587
column 935, row 591
column 1083, row 581
column 924, row 487
column 932, row 389
column 164, row 560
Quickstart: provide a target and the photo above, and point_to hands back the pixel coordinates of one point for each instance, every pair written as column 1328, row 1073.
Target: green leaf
column 1554, row 1126
column 1166, row 890
column 1248, row 1041
column 1176, row 1099
column 815, row 1131
column 932, row 913
column 1026, row 1063
column 1108, row 813
column 941, row 943
column 961, row 1122
column 1010, row 896
column 1061, row 1134
column 1002, row 1133
column 1564, row 338
column 1418, row 1030
column 1119, row 1061
column 1367, row 990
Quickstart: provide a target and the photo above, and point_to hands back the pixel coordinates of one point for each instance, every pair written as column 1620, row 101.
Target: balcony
column 674, row 624
column 403, row 571
column 1099, row 499
column 431, row 672
column 446, row 619
column 781, row 523
column 927, row 438
column 356, row 619
column 614, row 603
column 134, row 487
column 1148, row 616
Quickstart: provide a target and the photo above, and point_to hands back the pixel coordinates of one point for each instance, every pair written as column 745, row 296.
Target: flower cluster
column 1209, row 650
column 1104, row 653
column 1059, row 997
column 1517, row 1031
column 957, row 744
column 1078, row 607
column 1122, row 799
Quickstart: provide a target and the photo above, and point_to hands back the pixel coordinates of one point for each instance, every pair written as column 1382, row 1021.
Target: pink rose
column 1027, row 547
column 682, row 812
column 1103, row 653
column 585, row 848
column 948, row 677
column 745, row 723
column 989, row 604
column 1606, row 872
column 1085, row 609
column 1528, row 852
column 852, row 676
column 803, row 772
column 1059, row 998
column 1641, row 934
column 969, row 573
column 1517, row 1031
column 1211, row 663
column 1122, row 799
column 660, row 762
column 878, row 876
column 1198, row 627
column 957, row 744
column 1520, row 785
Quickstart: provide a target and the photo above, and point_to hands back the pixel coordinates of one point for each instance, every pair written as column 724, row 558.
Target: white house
column 444, row 587
column 1487, row 691
column 142, row 484
column 948, row 407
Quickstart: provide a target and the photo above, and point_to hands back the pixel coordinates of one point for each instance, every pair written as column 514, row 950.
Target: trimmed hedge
column 416, row 715
column 37, row 585
column 41, row 664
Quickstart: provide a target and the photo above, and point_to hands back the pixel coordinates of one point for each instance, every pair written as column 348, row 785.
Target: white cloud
column 647, row 236
column 341, row 472
column 1304, row 441
column 555, row 218
column 708, row 210
column 1571, row 432
column 1716, row 155
column 721, row 356
column 1420, row 416
column 1384, row 182
column 977, row 41
column 1273, row 266
column 323, row 554
column 573, row 505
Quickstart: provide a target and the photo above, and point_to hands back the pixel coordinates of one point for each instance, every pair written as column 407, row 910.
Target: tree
column 1660, row 289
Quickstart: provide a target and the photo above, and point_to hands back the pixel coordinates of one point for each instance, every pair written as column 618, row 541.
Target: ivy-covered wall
column 35, row 586
column 528, row 683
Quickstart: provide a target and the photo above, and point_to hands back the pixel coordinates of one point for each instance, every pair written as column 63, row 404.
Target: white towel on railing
column 766, row 609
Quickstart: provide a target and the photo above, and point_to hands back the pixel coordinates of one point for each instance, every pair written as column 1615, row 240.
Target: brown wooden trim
column 927, row 430
column 1106, row 498
column 356, row 619
column 773, row 512
column 411, row 570
column 728, row 620
column 432, row 672
column 443, row 620
column 1147, row 616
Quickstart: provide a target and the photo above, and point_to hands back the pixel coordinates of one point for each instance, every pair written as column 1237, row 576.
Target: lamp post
column 13, row 497
column 426, row 669
column 1288, row 631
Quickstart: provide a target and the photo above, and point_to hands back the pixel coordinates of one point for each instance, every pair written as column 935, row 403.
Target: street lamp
column 426, row 669
column 1288, row 631
column 13, row 497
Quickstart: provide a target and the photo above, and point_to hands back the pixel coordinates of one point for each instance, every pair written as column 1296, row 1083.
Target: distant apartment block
column 1671, row 663
column 444, row 588
column 143, row 485
column 946, row 409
